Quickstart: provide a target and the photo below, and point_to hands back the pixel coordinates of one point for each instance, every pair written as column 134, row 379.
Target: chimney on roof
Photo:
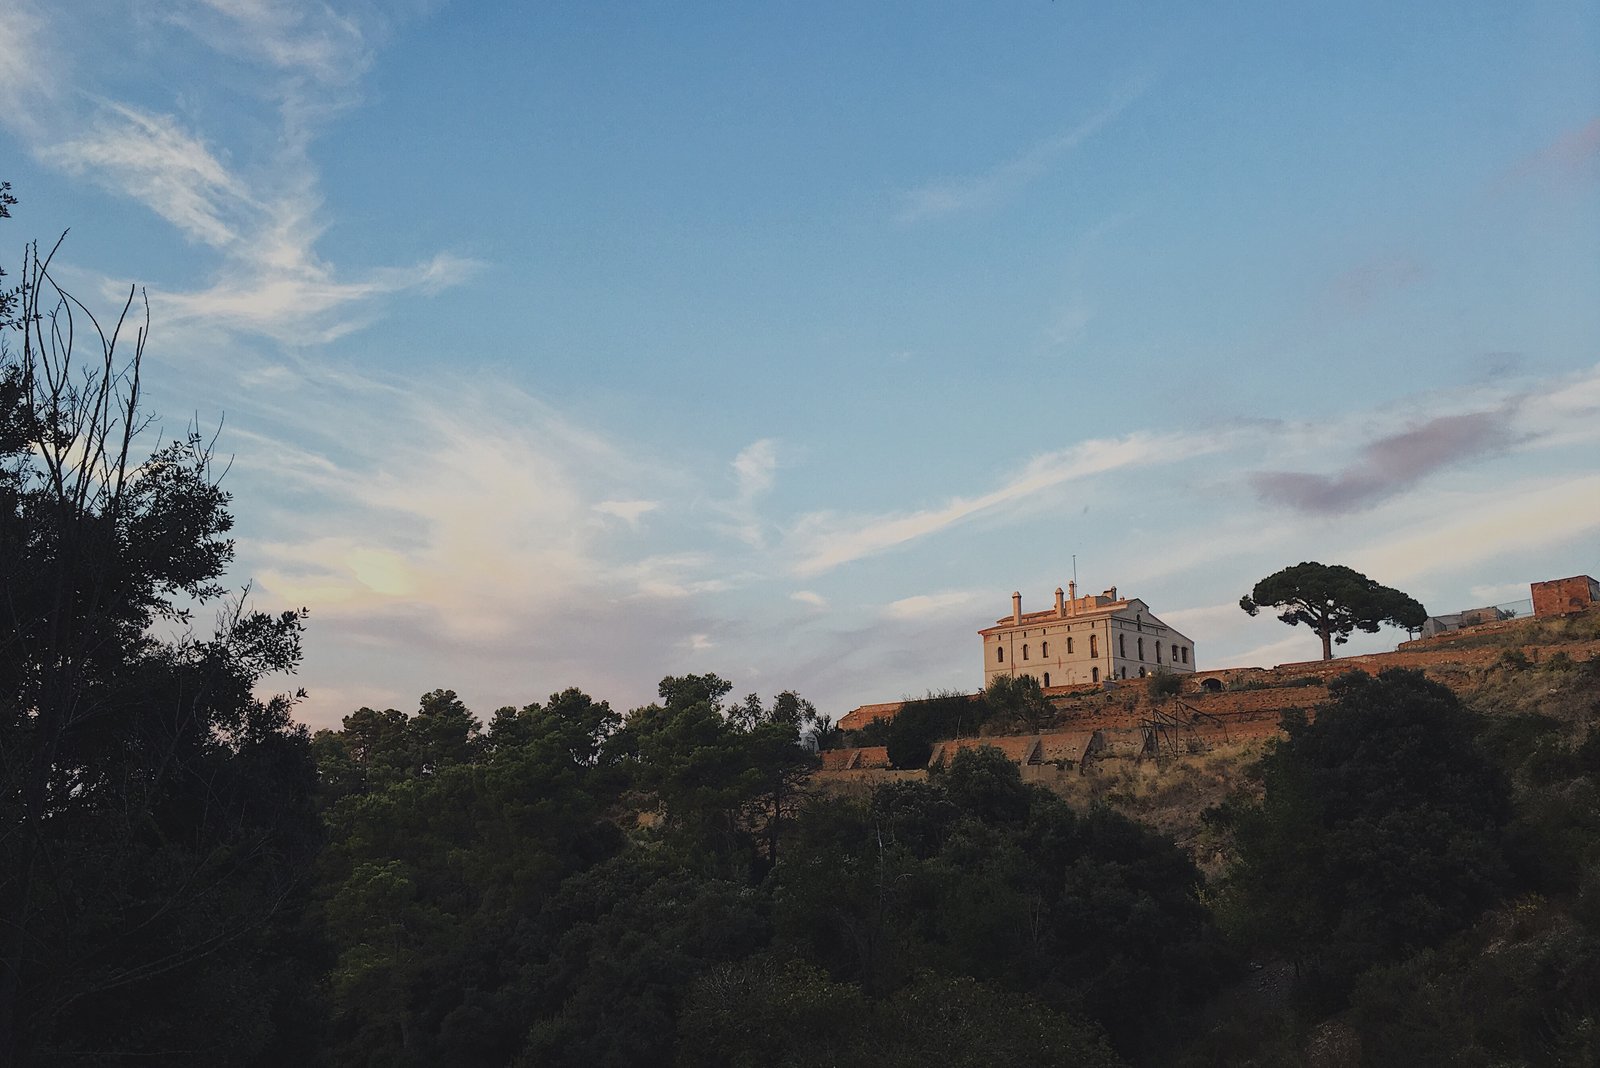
column 1016, row 608
column 1073, row 594
column 1061, row 609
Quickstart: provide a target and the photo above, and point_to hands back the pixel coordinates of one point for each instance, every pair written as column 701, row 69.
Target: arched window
column 1141, row 648
column 1047, row 680
column 1000, row 653
column 1122, row 645
column 1069, row 646
column 1094, row 649
column 1174, row 652
column 1141, row 673
column 1044, row 650
column 1094, row 672
column 1158, row 652
column 1024, row 652
column 1185, row 654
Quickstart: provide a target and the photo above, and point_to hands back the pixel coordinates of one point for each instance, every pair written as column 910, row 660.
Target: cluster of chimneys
column 1066, row 602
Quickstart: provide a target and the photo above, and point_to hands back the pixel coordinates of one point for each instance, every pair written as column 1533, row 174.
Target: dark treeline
column 188, row 877
column 573, row 887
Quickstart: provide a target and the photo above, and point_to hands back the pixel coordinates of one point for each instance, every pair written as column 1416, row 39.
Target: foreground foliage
column 157, row 820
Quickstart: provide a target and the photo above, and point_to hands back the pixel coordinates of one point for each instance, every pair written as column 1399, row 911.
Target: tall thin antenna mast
column 1074, row 569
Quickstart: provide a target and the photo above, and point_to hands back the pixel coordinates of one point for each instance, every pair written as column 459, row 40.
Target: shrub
column 1164, row 684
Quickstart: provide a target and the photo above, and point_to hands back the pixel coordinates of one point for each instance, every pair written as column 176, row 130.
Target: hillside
column 1164, row 760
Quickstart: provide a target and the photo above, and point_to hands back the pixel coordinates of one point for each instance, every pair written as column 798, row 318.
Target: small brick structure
column 872, row 756
column 857, row 718
column 1559, row 597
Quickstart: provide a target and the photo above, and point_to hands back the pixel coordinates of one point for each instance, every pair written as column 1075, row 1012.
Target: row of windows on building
column 1094, row 676
column 1180, row 653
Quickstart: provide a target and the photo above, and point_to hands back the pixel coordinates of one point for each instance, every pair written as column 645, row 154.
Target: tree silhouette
column 1332, row 600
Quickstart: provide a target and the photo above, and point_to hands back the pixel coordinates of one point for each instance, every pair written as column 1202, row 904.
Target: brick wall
column 1560, row 596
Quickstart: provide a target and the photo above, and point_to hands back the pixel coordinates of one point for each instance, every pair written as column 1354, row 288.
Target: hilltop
column 1164, row 757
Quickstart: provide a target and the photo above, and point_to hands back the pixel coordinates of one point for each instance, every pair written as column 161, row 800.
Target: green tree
column 1379, row 832
column 1332, row 600
column 439, row 865
column 8, row 297
column 615, row 955
column 1018, row 702
column 767, row 1012
column 726, row 778
column 155, row 816
column 975, row 873
column 910, row 735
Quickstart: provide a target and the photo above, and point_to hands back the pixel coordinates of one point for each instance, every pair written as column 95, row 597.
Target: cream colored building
column 1083, row 641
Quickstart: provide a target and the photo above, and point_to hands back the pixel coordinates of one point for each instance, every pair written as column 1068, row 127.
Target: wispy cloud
column 950, row 196
column 629, row 512
column 309, row 38
column 824, row 541
column 462, row 524
column 924, row 605
column 1390, row 464
column 1466, row 530
column 30, row 67
column 300, row 300
column 754, row 470
column 173, row 173
column 755, row 467
column 254, row 201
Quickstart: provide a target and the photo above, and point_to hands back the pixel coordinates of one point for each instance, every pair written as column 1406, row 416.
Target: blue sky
column 580, row 344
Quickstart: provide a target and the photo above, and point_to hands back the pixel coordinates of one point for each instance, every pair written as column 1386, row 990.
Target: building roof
column 1048, row 615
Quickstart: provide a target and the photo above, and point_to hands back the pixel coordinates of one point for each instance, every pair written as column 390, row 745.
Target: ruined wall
column 1560, row 596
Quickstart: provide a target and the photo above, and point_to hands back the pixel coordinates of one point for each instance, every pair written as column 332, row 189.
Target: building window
column 1047, row 680
column 1094, row 672
column 1044, row 650
column 1174, row 652
column 1141, row 650
column 1069, row 646
column 1122, row 645
column 1185, row 654
column 1141, row 673
column 1024, row 652
column 1000, row 654
column 1158, row 652
column 1094, row 649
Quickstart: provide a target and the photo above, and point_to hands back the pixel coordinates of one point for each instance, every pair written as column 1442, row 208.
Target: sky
column 580, row 344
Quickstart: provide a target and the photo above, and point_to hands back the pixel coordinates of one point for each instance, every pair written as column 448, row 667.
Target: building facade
column 1559, row 596
column 1083, row 641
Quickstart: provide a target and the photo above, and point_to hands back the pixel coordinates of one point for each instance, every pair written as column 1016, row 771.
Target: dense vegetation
column 187, row 877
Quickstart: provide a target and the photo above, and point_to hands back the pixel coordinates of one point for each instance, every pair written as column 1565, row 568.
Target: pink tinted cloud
column 1571, row 159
